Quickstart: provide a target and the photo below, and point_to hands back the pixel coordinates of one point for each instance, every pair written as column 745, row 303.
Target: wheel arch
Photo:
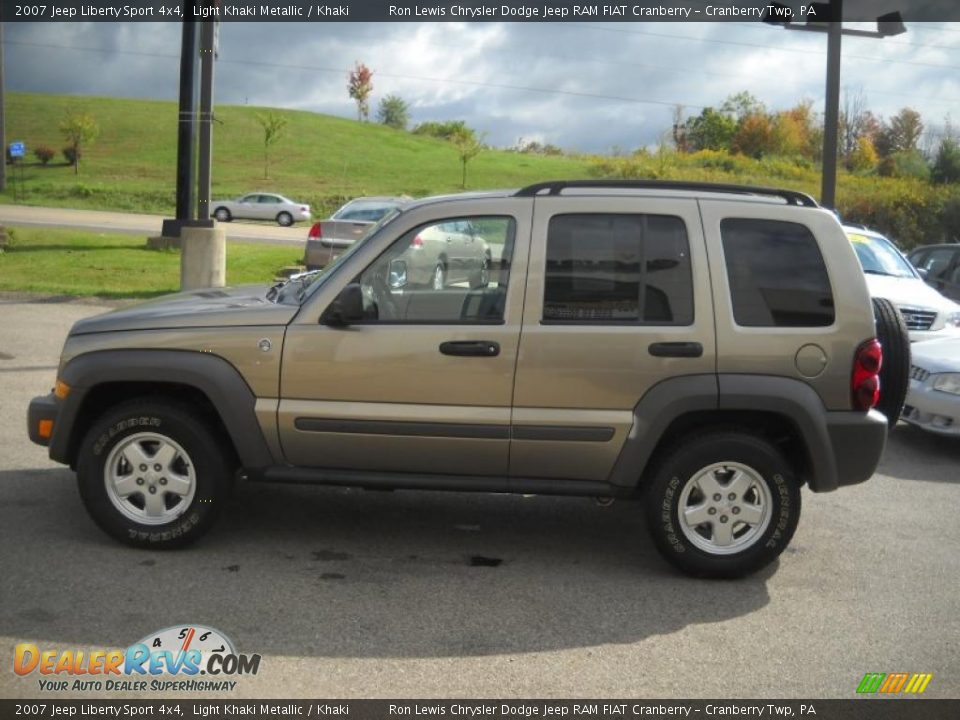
column 786, row 412
column 208, row 383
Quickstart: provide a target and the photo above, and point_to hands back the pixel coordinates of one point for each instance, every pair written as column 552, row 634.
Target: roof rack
column 554, row 187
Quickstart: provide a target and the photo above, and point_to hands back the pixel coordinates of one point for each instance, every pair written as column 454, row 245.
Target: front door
column 424, row 382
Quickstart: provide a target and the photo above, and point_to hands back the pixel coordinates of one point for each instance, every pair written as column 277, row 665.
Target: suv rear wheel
column 722, row 505
column 152, row 475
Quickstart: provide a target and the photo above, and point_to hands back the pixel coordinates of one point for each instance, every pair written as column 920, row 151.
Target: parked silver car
column 443, row 254
column 933, row 400
column 261, row 206
column 328, row 238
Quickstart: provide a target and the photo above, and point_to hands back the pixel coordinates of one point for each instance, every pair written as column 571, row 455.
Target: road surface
column 147, row 225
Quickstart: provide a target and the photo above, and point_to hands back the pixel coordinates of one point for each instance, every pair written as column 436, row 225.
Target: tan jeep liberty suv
column 706, row 349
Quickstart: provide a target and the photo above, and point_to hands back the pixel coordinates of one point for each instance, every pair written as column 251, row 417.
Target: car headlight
column 953, row 319
column 948, row 383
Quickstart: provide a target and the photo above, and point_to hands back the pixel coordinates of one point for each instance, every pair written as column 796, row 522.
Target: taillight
column 416, row 242
column 865, row 380
column 315, row 231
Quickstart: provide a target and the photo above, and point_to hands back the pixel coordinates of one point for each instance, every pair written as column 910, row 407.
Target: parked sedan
column 328, row 238
column 933, row 400
column 261, row 206
column 939, row 265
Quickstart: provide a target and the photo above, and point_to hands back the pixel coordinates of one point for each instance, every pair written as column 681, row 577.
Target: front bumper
column 932, row 410
column 42, row 409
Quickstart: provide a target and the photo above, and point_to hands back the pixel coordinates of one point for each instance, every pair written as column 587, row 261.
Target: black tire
column 221, row 214
column 203, row 450
column 772, row 493
column 481, row 278
column 895, row 370
column 285, row 219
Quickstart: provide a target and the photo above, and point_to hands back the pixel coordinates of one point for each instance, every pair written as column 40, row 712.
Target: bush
column 72, row 154
column 445, row 130
column 905, row 164
column 44, row 154
column 946, row 168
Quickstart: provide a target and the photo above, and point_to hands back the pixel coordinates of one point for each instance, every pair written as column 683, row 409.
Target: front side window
column 618, row 268
column 433, row 275
column 776, row 273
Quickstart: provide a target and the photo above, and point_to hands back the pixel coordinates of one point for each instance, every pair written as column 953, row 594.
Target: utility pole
column 3, row 118
column 208, row 54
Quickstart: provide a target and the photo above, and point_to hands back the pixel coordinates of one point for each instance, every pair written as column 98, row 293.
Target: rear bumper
column 857, row 441
column 42, row 408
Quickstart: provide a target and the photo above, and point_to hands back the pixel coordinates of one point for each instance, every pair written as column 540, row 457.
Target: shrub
column 905, row 164
column 445, row 130
column 946, row 168
column 72, row 154
column 44, row 154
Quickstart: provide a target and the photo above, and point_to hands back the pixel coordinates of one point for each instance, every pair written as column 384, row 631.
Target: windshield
column 299, row 287
column 878, row 256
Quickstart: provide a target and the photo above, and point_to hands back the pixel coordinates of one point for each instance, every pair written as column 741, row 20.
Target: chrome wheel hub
column 725, row 508
column 149, row 478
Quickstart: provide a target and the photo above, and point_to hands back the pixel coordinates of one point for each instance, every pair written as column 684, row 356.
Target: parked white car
column 261, row 206
column 927, row 314
column 933, row 399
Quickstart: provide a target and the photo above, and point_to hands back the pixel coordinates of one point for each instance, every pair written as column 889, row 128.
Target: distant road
column 140, row 224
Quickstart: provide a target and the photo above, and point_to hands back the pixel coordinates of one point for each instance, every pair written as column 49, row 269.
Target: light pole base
column 203, row 258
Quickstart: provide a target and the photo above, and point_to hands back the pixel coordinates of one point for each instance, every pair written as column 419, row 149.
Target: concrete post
column 203, row 262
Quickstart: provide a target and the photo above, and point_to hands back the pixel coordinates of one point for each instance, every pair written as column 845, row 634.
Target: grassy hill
column 319, row 159
column 322, row 159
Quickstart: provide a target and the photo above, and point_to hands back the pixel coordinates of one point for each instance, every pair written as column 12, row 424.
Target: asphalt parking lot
column 350, row 594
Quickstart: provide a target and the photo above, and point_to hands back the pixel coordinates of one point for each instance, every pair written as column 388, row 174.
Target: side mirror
column 346, row 309
column 397, row 274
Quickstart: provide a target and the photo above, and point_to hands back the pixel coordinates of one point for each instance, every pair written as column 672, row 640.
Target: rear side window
column 777, row 275
column 618, row 269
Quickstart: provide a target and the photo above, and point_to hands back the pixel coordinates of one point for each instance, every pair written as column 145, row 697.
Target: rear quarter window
column 776, row 274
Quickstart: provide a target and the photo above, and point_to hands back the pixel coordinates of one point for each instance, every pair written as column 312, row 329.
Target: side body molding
column 226, row 389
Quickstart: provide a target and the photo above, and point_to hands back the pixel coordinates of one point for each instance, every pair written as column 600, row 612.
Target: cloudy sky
column 584, row 86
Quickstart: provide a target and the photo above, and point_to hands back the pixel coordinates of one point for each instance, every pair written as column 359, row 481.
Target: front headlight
column 953, row 319
column 948, row 383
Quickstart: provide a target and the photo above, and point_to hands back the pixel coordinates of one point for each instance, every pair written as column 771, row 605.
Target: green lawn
column 68, row 262
column 320, row 159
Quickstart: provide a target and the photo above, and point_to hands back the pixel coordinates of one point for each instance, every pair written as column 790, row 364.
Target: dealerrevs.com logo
column 894, row 683
column 170, row 660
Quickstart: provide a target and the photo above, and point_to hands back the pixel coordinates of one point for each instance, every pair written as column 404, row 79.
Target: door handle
column 470, row 348
column 676, row 349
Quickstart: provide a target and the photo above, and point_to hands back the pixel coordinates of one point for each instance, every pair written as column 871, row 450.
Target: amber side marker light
column 61, row 390
column 45, row 429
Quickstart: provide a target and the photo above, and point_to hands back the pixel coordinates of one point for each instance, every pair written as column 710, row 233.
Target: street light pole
column 831, row 115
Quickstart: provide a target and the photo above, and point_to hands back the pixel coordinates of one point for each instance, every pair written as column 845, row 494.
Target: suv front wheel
column 722, row 505
column 152, row 475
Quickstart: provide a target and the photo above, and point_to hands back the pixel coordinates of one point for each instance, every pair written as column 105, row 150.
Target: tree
column 864, row 157
column 444, row 130
column 901, row 134
column 360, row 86
column 468, row 146
column 78, row 129
column 754, row 136
column 710, row 130
column 946, row 166
column 273, row 126
column 394, row 112
column 742, row 105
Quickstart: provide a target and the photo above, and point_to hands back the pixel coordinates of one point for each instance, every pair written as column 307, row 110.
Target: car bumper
column 867, row 432
column 42, row 419
column 932, row 410
column 941, row 334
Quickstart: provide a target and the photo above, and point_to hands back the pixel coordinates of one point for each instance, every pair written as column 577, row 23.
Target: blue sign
column 17, row 149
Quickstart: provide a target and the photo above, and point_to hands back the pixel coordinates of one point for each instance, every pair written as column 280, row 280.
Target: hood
column 937, row 356
column 910, row 292
column 212, row 307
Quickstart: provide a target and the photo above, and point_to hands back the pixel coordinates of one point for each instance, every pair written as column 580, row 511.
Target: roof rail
column 554, row 187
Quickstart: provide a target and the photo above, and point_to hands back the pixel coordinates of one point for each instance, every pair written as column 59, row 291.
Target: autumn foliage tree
column 360, row 85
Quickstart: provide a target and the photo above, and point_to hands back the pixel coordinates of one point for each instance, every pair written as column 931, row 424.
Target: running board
column 416, row 481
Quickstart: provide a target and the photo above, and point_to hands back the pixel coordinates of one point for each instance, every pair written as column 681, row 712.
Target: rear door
column 610, row 312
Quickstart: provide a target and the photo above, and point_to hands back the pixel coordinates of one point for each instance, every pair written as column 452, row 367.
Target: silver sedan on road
column 261, row 206
column 933, row 400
